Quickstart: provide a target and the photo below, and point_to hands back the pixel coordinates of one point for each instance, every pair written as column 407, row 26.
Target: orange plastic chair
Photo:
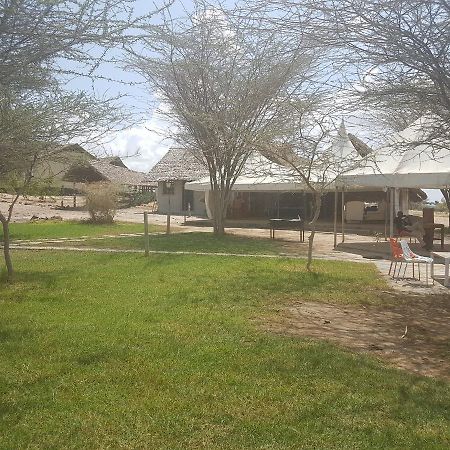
column 396, row 256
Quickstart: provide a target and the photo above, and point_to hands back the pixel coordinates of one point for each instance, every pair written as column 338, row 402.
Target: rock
column 375, row 347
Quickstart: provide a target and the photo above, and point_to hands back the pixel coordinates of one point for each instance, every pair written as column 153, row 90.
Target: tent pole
column 391, row 215
column 343, row 216
column 386, row 212
column 335, row 215
column 278, row 205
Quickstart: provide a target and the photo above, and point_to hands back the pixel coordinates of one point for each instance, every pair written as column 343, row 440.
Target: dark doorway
column 188, row 199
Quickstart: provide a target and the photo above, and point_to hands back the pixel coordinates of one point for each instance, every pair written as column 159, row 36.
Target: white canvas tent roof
column 259, row 174
column 263, row 175
column 405, row 163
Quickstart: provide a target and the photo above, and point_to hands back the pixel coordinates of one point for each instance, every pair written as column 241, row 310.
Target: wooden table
column 446, row 257
column 287, row 224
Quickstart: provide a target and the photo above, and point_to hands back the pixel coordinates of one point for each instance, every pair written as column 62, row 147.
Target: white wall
column 199, row 204
column 170, row 203
column 173, row 204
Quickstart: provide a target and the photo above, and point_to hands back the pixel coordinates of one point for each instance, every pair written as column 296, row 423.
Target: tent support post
column 278, row 205
column 343, row 216
column 391, row 213
column 335, row 216
column 386, row 212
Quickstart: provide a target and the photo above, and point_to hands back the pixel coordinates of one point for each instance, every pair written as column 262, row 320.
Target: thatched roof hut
column 178, row 164
column 106, row 169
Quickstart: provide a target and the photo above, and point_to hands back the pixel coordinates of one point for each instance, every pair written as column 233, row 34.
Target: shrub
column 101, row 201
column 137, row 198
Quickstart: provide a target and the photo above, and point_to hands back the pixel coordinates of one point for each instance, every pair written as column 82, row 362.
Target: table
column 446, row 257
column 287, row 224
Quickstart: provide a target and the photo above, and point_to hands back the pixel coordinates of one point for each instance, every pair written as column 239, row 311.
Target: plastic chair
column 396, row 256
column 410, row 257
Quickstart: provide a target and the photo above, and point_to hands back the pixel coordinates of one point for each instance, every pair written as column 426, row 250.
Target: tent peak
column 342, row 130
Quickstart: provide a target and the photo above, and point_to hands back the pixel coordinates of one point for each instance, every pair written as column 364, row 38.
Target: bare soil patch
column 379, row 331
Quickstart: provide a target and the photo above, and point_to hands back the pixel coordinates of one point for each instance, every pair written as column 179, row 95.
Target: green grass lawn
column 188, row 242
column 123, row 351
column 56, row 229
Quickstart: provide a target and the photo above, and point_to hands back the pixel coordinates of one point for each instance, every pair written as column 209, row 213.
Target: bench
column 287, row 224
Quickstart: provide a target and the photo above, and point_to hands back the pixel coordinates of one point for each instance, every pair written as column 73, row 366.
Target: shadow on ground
column 411, row 334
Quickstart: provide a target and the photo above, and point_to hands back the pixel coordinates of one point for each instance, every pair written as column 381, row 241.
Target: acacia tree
column 395, row 53
column 225, row 84
column 44, row 45
column 47, row 122
column 314, row 154
column 394, row 56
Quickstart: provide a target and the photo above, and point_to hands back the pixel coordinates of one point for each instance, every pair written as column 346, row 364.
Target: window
column 168, row 188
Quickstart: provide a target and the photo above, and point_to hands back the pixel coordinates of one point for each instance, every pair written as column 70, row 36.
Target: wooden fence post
column 168, row 224
column 146, row 233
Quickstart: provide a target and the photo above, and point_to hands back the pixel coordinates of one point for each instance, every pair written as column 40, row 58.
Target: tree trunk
column 6, row 249
column 220, row 205
column 446, row 194
column 317, row 204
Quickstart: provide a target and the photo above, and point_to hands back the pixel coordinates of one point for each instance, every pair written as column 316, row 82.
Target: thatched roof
column 105, row 169
column 361, row 147
column 178, row 164
column 119, row 174
column 115, row 161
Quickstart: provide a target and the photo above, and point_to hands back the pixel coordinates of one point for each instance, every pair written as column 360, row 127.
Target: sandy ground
column 26, row 208
column 411, row 334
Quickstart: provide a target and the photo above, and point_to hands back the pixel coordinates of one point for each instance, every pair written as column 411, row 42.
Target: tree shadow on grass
column 25, row 282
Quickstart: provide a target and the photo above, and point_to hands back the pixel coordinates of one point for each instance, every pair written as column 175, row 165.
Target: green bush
column 136, row 198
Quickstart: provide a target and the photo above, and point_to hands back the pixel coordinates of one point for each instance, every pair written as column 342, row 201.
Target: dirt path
column 379, row 331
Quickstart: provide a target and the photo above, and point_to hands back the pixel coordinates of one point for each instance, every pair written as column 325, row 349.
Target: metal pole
column 391, row 213
column 335, row 215
column 386, row 213
column 146, row 242
column 343, row 216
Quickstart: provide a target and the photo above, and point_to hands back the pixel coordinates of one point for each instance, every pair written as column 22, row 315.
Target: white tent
column 405, row 162
column 263, row 175
column 259, row 174
column 410, row 159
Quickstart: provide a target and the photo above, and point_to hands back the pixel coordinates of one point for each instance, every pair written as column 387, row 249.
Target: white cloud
column 141, row 146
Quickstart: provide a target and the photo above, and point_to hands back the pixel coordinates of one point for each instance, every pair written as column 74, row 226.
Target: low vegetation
column 124, row 351
column 102, row 200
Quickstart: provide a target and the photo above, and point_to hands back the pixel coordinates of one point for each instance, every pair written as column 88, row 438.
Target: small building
column 176, row 168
